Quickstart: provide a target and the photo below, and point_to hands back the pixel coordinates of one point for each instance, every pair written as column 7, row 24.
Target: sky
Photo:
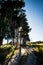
column 34, row 14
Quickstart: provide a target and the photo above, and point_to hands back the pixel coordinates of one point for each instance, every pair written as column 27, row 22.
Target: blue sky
column 34, row 12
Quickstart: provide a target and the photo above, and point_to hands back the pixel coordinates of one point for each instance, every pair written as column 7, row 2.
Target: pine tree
column 13, row 16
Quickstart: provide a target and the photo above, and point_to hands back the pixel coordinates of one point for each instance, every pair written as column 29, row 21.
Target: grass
column 38, row 50
column 6, row 51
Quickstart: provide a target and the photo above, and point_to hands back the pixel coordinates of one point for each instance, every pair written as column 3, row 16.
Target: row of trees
column 12, row 17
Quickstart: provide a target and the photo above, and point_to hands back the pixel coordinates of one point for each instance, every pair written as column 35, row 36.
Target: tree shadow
column 23, row 60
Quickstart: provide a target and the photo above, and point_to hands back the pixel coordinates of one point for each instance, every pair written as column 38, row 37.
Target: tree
column 2, row 25
column 14, row 18
column 25, row 28
column 9, row 7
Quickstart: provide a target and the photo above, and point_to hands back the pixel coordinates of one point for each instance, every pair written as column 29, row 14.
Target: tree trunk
column 17, row 36
column 7, row 40
column 1, row 39
column 13, row 40
column 20, row 45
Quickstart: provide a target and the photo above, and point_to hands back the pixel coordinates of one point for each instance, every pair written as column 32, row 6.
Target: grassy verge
column 38, row 50
column 6, row 51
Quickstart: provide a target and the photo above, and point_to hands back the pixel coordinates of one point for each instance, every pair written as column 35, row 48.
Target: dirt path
column 24, row 58
column 15, row 59
column 29, row 59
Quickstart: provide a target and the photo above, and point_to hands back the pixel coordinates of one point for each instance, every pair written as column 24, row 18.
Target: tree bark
column 1, row 39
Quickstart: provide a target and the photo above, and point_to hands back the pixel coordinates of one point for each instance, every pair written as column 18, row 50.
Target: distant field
column 34, row 44
column 40, row 45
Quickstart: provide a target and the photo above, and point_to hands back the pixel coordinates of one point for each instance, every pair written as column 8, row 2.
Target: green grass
column 38, row 50
column 6, row 51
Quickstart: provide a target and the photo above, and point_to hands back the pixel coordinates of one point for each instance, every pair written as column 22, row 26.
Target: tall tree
column 2, row 24
column 15, row 17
